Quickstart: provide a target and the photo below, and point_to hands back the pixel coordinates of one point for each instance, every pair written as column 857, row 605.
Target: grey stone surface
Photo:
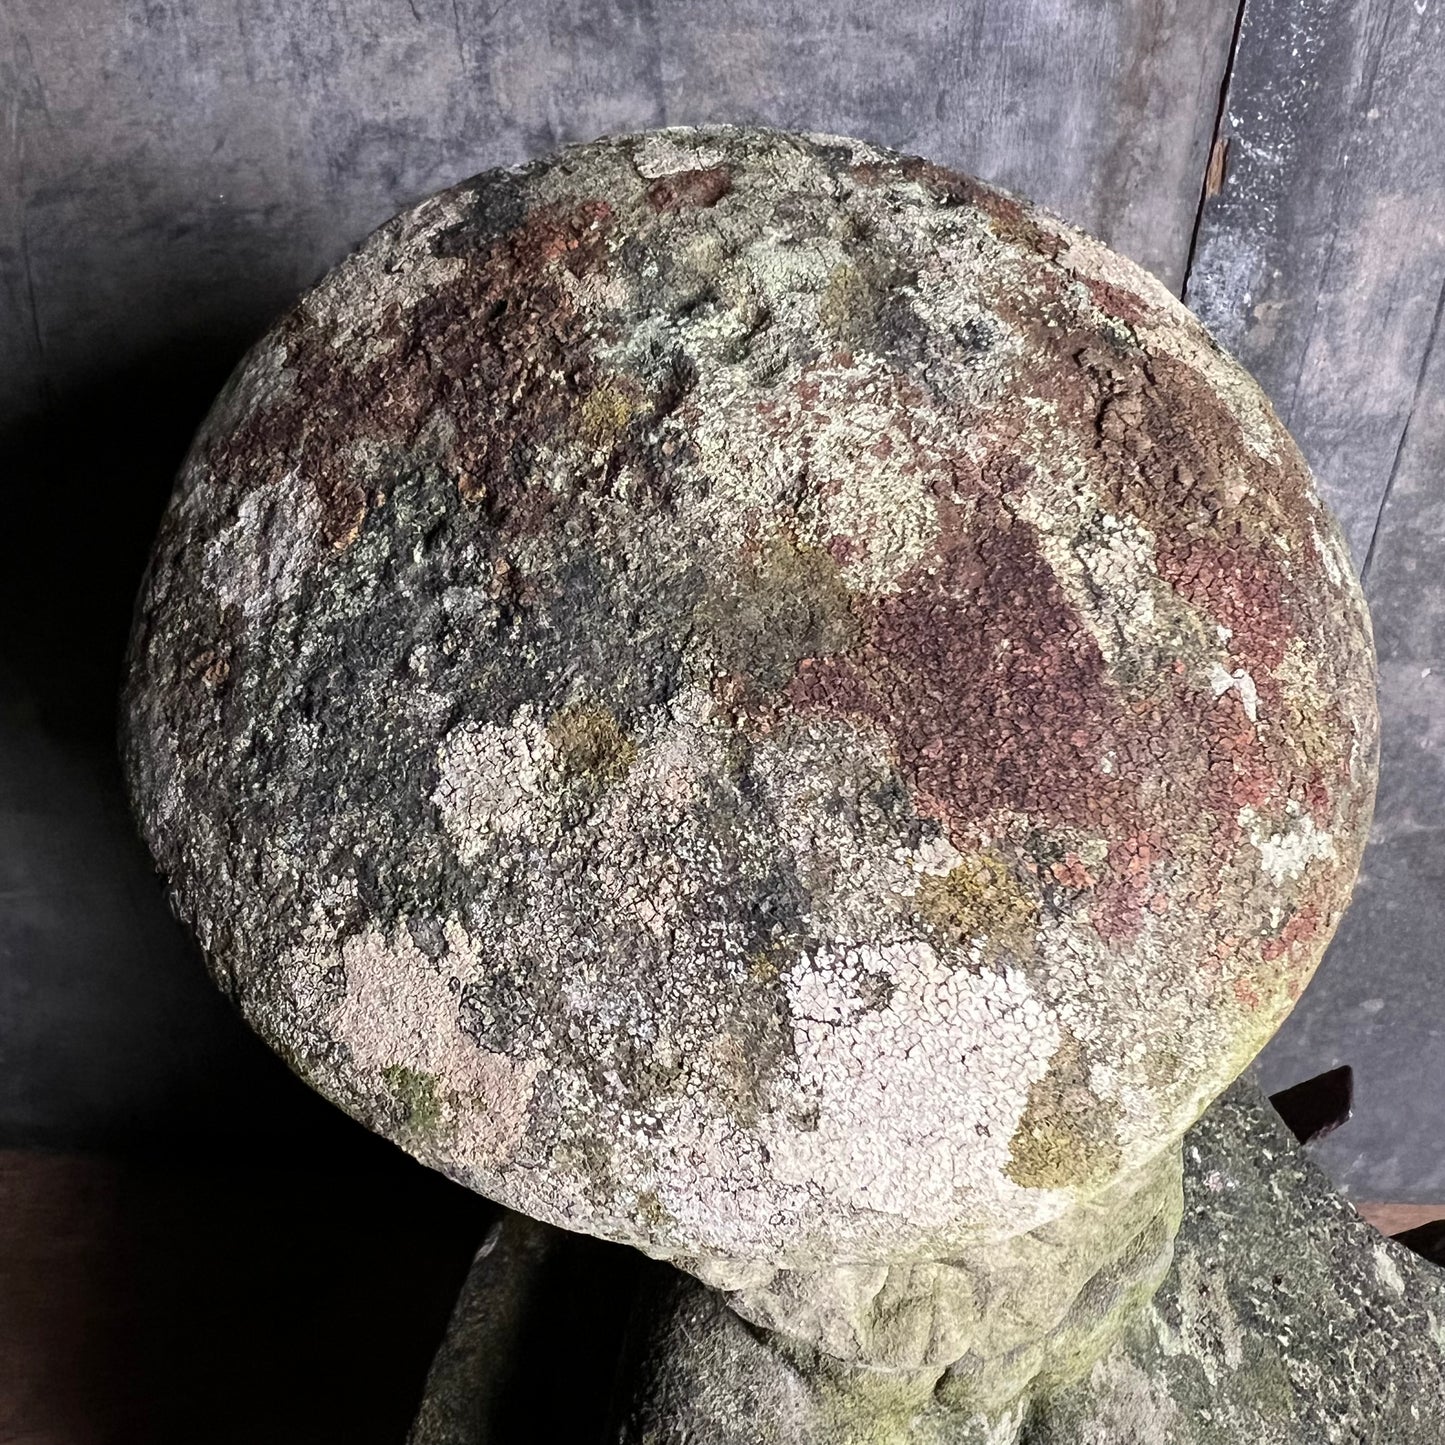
column 760, row 698
column 173, row 172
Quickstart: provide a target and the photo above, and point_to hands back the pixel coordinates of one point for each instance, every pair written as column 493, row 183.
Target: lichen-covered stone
column 755, row 696
column 1284, row 1320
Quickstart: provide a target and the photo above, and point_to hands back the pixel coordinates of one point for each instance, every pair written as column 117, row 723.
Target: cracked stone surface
column 756, row 697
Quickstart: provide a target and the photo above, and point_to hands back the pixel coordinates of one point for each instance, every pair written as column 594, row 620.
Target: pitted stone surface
column 756, row 696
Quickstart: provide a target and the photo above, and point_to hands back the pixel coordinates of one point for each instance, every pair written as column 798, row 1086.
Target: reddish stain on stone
column 1127, row 888
column 699, row 188
column 1113, row 300
column 992, row 689
column 1303, row 926
column 488, row 348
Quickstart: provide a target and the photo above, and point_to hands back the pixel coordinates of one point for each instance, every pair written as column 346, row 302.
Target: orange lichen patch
column 1127, row 887
column 1128, row 306
column 1241, row 771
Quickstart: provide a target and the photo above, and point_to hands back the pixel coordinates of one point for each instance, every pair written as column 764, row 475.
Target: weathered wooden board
column 189, row 163
column 173, row 171
column 1321, row 263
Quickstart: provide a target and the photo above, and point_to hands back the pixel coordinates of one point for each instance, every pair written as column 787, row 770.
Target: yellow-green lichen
column 416, row 1092
column 846, row 301
column 606, row 412
column 1066, row 1137
column 981, row 898
column 590, row 744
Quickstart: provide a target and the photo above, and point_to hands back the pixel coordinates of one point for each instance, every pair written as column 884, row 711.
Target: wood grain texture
column 1376, row 1002
column 1321, row 264
column 191, row 163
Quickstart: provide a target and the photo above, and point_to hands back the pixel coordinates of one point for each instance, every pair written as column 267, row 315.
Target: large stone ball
column 756, row 696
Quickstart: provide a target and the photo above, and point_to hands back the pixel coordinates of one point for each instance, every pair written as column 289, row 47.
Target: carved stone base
column 1284, row 1319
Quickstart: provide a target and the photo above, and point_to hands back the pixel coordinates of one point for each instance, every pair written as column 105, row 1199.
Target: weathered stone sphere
column 755, row 696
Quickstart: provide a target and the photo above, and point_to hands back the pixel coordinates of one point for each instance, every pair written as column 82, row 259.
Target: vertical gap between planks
column 1213, row 176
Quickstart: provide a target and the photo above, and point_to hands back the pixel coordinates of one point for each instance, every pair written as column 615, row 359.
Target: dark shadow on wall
column 216, row 1252
column 229, row 1301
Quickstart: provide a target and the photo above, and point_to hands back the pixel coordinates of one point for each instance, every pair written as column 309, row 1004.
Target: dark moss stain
column 786, row 602
column 1066, row 1137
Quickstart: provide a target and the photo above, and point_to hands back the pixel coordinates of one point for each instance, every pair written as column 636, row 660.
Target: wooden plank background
column 173, row 171
column 1321, row 264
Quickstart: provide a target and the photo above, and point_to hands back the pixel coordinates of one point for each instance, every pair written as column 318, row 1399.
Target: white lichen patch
column 398, row 1018
column 1330, row 548
column 666, row 152
column 490, row 781
column 1221, row 680
column 852, row 860
column 937, row 1076
column 258, row 562
column 1135, row 1408
column 1387, row 1271
column 1286, row 851
column 868, row 503
column 1098, row 997
column 1104, row 564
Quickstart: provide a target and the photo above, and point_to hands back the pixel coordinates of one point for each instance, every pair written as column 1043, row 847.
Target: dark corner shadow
column 116, row 1039
column 271, row 1268
column 87, row 476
